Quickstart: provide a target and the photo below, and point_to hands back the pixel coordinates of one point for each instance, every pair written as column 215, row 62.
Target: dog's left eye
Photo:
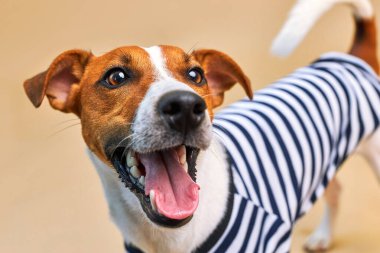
column 196, row 76
column 116, row 77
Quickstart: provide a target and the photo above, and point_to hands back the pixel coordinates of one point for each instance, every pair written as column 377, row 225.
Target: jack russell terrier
column 180, row 179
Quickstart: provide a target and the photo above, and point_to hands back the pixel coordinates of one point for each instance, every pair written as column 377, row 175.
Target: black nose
column 182, row 110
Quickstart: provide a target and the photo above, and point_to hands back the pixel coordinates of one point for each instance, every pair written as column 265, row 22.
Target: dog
column 179, row 178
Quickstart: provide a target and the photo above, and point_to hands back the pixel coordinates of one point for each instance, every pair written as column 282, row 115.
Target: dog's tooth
column 186, row 167
column 131, row 160
column 152, row 200
column 135, row 172
column 142, row 180
column 182, row 150
column 182, row 159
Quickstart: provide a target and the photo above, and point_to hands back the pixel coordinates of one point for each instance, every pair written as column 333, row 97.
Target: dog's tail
column 306, row 13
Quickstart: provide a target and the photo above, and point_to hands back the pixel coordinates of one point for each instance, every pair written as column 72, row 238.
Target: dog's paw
column 318, row 242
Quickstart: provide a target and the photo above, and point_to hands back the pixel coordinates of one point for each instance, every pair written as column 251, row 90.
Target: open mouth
column 164, row 181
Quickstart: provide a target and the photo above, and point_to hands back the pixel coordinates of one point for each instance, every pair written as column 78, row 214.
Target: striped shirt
column 287, row 144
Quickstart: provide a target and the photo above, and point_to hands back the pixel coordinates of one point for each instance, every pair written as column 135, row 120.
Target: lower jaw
column 155, row 217
column 152, row 215
column 162, row 220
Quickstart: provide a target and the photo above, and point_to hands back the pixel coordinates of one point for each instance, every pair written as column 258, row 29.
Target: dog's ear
column 221, row 73
column 60, row 82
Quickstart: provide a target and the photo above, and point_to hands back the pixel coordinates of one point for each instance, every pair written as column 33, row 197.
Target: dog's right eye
column 116, row 77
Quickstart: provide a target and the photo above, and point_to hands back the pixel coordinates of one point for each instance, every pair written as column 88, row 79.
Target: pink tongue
column 176, row 194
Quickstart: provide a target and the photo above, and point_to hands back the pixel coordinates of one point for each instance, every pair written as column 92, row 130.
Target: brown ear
column 60, row 83
column 221, row 73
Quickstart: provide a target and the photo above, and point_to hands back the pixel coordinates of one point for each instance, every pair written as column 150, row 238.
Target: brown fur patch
column 108, row 111
column 178, row 63
column 365, row 42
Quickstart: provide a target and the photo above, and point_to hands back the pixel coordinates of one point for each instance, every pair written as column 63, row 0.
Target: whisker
column 218, row 135
column 124, row 151
column 220, row 138
column 65, row 128
column 191, row 50
column 208, row 95
column 215, row 154
column 131, row 143
column 65, row 121
column 118, row 145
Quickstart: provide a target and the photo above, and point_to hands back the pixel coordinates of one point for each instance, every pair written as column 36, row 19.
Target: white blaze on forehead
column 158, row 61
column 164, row 81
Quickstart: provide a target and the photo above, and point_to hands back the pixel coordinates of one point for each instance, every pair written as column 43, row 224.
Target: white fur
column 304, row 15
column 126, row 212
column 320, row 239
column 158, row 62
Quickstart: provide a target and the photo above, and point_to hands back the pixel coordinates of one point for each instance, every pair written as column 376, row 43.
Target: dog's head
column 146, row 111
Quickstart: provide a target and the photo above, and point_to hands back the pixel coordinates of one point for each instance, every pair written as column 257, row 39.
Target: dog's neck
column 213, row 178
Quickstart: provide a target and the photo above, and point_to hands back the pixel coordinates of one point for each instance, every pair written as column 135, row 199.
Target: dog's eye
column 116, row 77
column 196, row 76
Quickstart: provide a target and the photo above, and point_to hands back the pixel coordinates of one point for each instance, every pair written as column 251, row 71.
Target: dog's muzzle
column 159, row 162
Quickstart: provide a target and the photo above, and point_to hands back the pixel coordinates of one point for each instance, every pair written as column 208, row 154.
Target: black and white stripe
column 287, row 144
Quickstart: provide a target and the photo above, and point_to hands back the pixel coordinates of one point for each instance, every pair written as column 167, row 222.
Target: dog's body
column 146, row 114
column 284, row 147
column 287, row 144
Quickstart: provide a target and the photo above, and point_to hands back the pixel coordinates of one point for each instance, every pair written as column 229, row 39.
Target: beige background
column 51, row 198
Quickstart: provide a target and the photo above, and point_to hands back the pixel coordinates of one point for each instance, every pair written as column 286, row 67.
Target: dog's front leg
column 370, row 150
column 321, row 238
